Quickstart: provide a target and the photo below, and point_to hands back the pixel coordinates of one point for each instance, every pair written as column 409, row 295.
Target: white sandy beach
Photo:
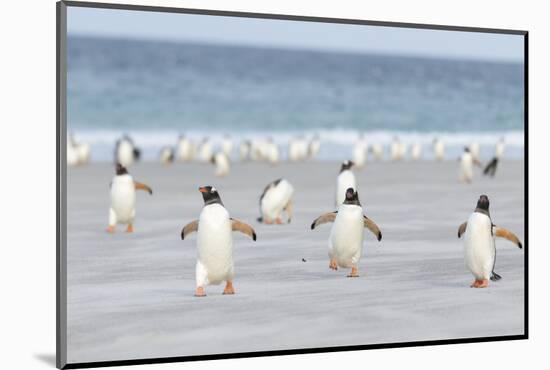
column 130, row 296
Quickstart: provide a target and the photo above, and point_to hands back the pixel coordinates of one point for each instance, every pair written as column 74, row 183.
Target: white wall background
column 27, row 206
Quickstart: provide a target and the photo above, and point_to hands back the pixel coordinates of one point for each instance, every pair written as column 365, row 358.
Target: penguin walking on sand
column 205, row 150
column 439, row 149
column 215, row 242
column 360, row 150
column 377, row 151
column 345, row 180
column 314, row 146
column 227, row 145
column 221, row 161
column 166, row 155
column 123, row 199
column 184, row 149
column 467, row 162
column 244, row 150
column 475, row 149
column 491, row 167
column 276, row 199
column 479, row 243
column 416, row 151
column 346, row 236
column 126, row 153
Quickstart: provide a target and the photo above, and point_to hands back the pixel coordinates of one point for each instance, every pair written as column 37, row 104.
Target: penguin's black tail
column 260, row 219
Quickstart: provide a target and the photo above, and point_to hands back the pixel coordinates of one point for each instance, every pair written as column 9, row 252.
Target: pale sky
column 293, row 34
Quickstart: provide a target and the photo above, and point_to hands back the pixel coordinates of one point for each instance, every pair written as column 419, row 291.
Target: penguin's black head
column 352, row 197
column 121, row 170
column 466, row 149
column 210, row 195
column 483, row 202
column 346, row 165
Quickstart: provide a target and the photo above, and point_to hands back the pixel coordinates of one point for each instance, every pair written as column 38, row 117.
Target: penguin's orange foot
column 111, row 229
column 480, row 283
column 199, row 292
column 353, row 272
column 333, row 265
column 229, row 288
column 130, row 229
column 278, row 221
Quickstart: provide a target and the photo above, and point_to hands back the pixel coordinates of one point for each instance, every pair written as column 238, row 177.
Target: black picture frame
column 61, row 173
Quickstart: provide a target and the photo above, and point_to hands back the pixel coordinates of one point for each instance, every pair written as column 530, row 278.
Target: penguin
column 123, row 199
column 227, row 145
column 244, row 150
column 466, row 166
column 184, row 149
column 397, row 149
column 491, row 167
column 276, row 199
column 77, row 153
column 499, row 148
column 257, row 150
column 314, row 146
column 479, row 243
column 298, row 149
column 377, row 151
column 416, row 151
column 126, row 153
column 346, row 236
column 345, row 180
column 475, row 150
column 215, row 242
column 439, row 149
column 221, row 161
column 72, row 153
column 271, row 152
column 360, row 152
column 166, row 155
column 205, row 150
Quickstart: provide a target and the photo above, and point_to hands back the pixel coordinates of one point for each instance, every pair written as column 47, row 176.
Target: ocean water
column 157, row 90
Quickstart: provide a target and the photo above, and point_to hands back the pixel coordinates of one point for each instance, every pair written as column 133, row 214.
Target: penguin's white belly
column 215, row 243
column 125, row 154
column 346, row 180
column 439, row 150
column 346, row 236
column 123, row 199
column 276, row 199
column 479, row 248
column 499, row 151
column 72, row 155
column 466, row 167
column 222, row 164
column 359, row 154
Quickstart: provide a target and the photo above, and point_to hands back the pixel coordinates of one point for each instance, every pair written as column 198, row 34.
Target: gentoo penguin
column 345, row 244
column 398, row 149
column 126, row 153
column 221, row 161
column 215, row 242
column 276, row 199
column 439, row 149
column 184, row 149
column 499, row 148
column 360, row 152
column 77, row 153
column 475, row 150
column 491, row 167
column 166, row 155
column 72, row 153
column 416, row 151
column 205, row 150
column 479, row 243
column 271, row 152
column 298, row 149
column 377, row 151
column 227, row 146
column 345, row 180
column 244, row 150
column 314, row 146
column 466, row 166
column 123, row 199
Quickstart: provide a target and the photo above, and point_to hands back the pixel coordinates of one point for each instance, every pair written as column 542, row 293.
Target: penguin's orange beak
column 202, row 189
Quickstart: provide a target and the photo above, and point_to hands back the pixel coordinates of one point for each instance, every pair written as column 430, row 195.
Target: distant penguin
column 166, row 155
column 314, row 146
column 227, row 146
column 416, row 151
column 244, row 150
column 397, row 149
column 184, row 149
column 475, row 149
column 479, row 243
column 360, row 152
column 298, row 149
column 257, row 150
column 439, row 149
column 205, row 150
column 126, row 153
column 276, row 199
column 72, row 153
column 272, row 152
column 467, row 162
column 215, row 242
column 377, row 151
column 221, row 161
column 345, row 180
column 346, row 235
column 491, row 167
column 123, row 199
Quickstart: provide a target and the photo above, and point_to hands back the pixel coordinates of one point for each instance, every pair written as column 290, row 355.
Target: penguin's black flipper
column 137, row 154
column 495, row 276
